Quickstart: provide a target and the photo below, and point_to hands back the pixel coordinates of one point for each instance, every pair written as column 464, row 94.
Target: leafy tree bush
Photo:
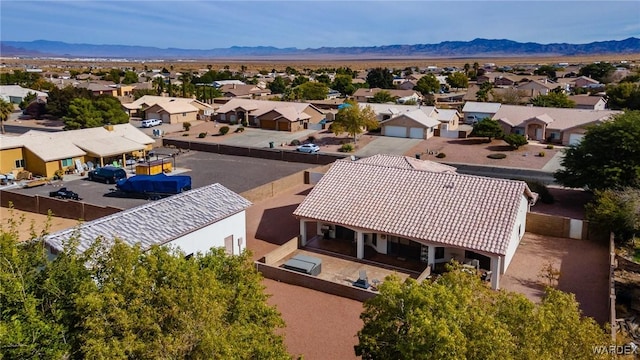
column 382, row 97
column 346, row 148
column 311, row 139
column 556, row 100
column 186, row 126
column 497, row 156
column 549, row 146
column 543, row 191
column 458, row 80
column 427, row 84
column 598, row 71
column 624, row 96
column 541, row 154
column 239, row 130
column 295, row 142
column 617, row 211
column 380, row 78
column 114, row 301
column 202, row 135
column 88, row 113
column 354, row 120
column 515, row 140
column 606, row 157
column 459, row 317
column 441, row 155
column 224, row 130
column 313, row 91
column 488, row 128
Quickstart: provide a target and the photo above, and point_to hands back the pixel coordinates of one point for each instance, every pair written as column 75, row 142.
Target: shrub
column 244, row 122
column 543, row 191
column 224, row 130
column 346, row 148
column 515, row 140
column 202, row 134
column 549, row 147
column 497, row 156
column 185, row 134
column 186, row 125
column 441, row 155
column 239, row 130
column 295, row 142
column 541, row 154
column 58, row 175
column 311, row 139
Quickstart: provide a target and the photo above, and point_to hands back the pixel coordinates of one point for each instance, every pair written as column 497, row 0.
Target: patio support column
column 359, row 245
column 303, row 233
column 495, row 272
column 318, row 228
column 431, row 256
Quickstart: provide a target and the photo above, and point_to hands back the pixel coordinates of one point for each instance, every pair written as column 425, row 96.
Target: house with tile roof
column 193, row 221
column 169, row 109
column 393, row 207
column 44, row 153
column 557, row 125
column 589, row 102
column 271, row 115
column 243, row 91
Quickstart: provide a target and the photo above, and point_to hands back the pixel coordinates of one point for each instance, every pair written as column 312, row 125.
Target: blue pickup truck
column 154, row 186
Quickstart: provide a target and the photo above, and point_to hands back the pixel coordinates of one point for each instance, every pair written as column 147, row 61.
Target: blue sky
column 311, row 24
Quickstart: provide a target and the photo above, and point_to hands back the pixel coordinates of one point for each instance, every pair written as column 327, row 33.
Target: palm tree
column 6, row 108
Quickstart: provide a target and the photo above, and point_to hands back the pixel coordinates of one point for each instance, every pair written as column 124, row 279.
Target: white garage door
column 395, row 131
column 416, row 133
column 574, row 139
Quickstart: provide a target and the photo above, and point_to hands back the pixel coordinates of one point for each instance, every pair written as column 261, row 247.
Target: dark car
column 63, row 193
column 107, row 174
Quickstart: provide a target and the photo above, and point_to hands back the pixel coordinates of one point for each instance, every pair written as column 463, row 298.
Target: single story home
column 243, row 91
column 557, row 125
column 194, row 221
column 413, row 124
column 271, row 115
column 589, row 102
column 449, row 121
column 15, row 93
column 365, row 95
column 432, row 216
column 144, row 107
column 44, row 153
column 475, row 111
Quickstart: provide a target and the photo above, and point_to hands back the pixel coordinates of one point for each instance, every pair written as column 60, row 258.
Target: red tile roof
column 450, row 209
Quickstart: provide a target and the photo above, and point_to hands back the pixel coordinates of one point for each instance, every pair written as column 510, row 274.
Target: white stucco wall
column 213, row 236
column 516, row 233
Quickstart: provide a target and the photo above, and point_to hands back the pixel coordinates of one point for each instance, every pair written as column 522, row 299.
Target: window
column 228, row 245
column 184, row 114
column 67, row 162
column 20, row 163
column 301, row 122
column 439, row 253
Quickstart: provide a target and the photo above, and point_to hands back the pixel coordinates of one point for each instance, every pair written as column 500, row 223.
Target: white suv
column 151, row 123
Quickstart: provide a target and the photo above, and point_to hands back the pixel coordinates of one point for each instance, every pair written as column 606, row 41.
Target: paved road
column 545, row 177
column 387, row 145
column 234, row 172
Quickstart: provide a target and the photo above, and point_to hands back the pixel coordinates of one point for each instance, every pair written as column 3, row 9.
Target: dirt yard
column 25, row 220
column 475, row 151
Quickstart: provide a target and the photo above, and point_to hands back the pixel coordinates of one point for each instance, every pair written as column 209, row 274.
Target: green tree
column 299, row 80
column 313, row 91
column 624, row 96
column 380, row 78
column 459, row 317
column 277, row 86
column 158, row 84
column 114, row 75
column 382, row 97
column 483, row 93
column 114, row 301
column 324, row 78
column 27, row 100
column 515, row 140
column 548, row 70
column 59, row 100
column 606, row 157
column 354, row 120
column 342, row 83
column 598, row 71
column 427, row 84
column 458, row 80
column 617, row 211
column 88, row 113
column 488, row 128
column 6, row 108
column 553, row 99
column 130, row 77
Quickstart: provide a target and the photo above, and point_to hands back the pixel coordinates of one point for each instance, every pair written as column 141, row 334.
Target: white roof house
column 194, row 221
column 414, row 124
column 16, row 93
column 481, row 107
column 462, row 215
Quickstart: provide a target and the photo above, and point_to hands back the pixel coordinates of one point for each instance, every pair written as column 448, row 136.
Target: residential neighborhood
column 333, row 181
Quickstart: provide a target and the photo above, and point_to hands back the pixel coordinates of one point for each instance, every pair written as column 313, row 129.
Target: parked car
column 308, row 148
column 64, row 193
column 107, row 174
column 151, row 123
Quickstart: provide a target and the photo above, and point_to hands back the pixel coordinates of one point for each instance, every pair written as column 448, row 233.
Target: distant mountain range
column 446, row 49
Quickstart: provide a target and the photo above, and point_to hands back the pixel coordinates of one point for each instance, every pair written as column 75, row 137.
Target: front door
column 539, row 135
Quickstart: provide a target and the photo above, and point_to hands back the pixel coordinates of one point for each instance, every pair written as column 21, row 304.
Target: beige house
column 556, row 125
column 449, row 120
column 271, row 115
column 589, row 102
column 243, row 91
column 424, row 215
column 366, row 95
column 414, row 125
column 584, row 81
column 168, row 109
column 173, row 112
column 44, row 153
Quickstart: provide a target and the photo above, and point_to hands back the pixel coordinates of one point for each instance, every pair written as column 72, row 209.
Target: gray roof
column 157, row 222
column 481, row 107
